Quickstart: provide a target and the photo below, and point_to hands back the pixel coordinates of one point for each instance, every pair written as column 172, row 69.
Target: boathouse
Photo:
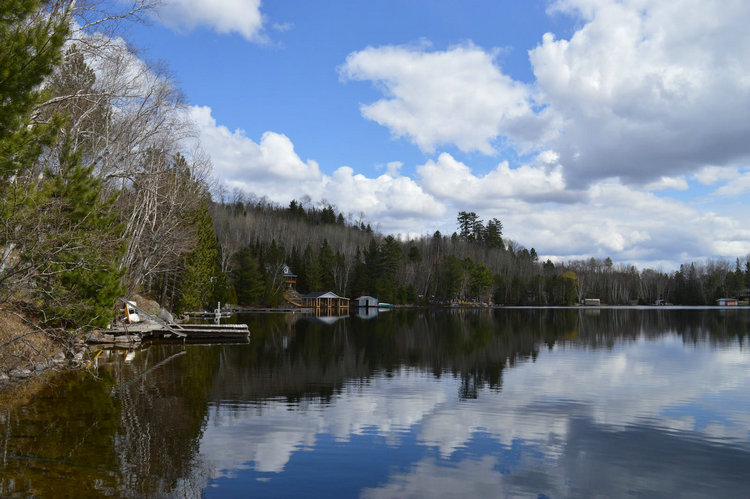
column 366, row 302
column 325, row 300
column 727, row 302
column 592, row 302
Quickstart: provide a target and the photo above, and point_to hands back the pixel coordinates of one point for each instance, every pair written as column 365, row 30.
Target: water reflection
column 553, row 401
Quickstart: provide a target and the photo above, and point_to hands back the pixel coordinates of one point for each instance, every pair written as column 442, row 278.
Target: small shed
column 727, row 302
column 366, row 302
column 592, row 302
column 325, row 300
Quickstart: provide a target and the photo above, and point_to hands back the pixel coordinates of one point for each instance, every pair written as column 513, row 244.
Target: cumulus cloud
column 676, row 183
column 450, row 179
column 647, row 89
column 536, row 206
column 713, row 174
column 457, row 96
column 737, row 187
column 272, row 167
column 628, row 224
column 238, row 158
column 225, row 16
column 640, row 92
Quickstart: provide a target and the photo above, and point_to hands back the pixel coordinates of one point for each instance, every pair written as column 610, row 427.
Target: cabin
column 366, row 302
column 290, row 280
column 326, row 300
column 592, row 302
column 727, row 302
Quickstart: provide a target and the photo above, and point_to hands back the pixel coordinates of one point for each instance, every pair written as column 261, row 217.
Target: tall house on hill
column 290, row 280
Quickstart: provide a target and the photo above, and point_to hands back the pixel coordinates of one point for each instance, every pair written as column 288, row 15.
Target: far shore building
column 366, row 302
column 326, row 300
column 290, row 280
column 592, row 302
column 727, row 302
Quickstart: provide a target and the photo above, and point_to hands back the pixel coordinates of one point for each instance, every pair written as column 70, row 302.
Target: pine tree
column 78, row 281
column 196, row 288
column 30, row 48
column 246, row 277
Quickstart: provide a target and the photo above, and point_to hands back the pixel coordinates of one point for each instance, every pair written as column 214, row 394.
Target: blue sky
column 589, row 127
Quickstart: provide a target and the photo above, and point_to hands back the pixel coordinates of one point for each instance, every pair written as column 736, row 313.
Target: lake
column 438, row 403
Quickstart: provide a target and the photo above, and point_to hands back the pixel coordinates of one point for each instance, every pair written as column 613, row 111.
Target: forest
column 105, row 192
column 475, row 264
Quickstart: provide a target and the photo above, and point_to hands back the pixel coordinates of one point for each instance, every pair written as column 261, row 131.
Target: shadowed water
column 550, row 402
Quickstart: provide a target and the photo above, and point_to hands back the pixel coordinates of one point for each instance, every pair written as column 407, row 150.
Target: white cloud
column 676, row 183
column 450, row 179
column 641, row 91
column 627, row 224
column 225, row 16
column 238, row 158
column 272, row 168
column 648, row 89
column 457, row 96
column 533, row 202
column 710, row 175
column 737, row 187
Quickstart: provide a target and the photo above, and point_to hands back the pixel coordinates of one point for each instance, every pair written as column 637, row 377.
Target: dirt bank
column 28, row 351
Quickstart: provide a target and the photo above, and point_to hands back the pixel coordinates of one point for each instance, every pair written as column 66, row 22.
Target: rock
column 165, row 315
column 20, row 373
column 58, row 358
column 40, row 367
column 3, row 377
column 78, row 357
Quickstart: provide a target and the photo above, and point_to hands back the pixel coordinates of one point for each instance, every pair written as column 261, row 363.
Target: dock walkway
column 129, row 334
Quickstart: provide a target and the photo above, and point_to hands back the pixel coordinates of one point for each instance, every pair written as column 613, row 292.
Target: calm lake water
column 504, row 403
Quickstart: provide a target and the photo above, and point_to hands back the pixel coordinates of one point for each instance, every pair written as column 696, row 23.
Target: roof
column 324, row 294
column 367, row 297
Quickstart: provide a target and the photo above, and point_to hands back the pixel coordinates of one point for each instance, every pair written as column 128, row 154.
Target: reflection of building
column 367, row 312
column 327, row 300
column 328, row 320
column 290, row 280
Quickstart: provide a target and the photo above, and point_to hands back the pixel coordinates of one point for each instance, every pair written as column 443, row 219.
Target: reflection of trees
column 137, row 429
column 68, row 430
column 298, row 359
column 163, row 399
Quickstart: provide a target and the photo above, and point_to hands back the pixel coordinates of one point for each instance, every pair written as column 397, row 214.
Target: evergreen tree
column 310, row 274
column 30, row 48
column 195, row 287
column 79, row 282
column 246, row 277
column 326, row 261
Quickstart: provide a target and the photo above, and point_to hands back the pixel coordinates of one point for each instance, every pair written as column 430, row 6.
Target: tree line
column 328, row 251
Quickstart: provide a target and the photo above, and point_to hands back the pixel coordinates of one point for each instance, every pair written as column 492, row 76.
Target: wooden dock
column 131, row 334
column 206, row 332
